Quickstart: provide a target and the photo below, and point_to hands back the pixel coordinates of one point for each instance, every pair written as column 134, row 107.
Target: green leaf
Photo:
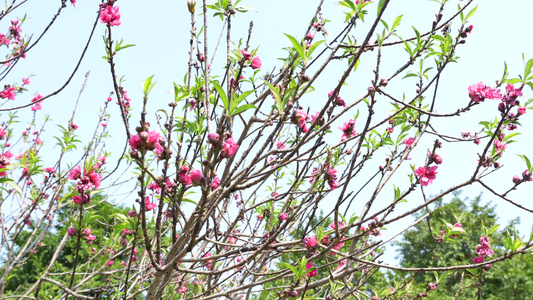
column 222, row 95
column 148, row 85
column 15, row 186
column 527, row 70
column 242, row 108
column 312, row 47
column 298, row 46
column 528, row 162
column 293, row 269
column 275, row 92
column 470, row 13
column 396, row 22
column 380, row 6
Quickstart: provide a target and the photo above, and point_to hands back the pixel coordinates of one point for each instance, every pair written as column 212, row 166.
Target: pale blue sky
column 160, row 30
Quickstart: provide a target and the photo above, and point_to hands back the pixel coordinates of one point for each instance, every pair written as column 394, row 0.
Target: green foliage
column 102, row 225
column 507, row 279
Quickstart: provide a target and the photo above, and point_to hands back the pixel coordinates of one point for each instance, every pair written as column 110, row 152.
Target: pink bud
column 256, row 63
column 196, row 177
column 71, row 231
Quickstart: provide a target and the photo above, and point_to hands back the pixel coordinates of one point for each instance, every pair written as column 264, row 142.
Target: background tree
column 422, row 246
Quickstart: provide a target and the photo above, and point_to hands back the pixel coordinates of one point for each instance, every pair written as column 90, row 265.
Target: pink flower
column 338, row 246
column 87, row 231
column 310, row 35
column 313, row 273
column 408, row 142
column 299, row 116
column 74, row 126
column 522, row 110
column 256, row 63
column 37, row 107
column 152, row 141
column 132, row 213
column 340, row 102
column 183, row 289
column 110, row 263
column 426, row 174
column 196, row 177
column 512, row 91
column 148, row 205
column 339, row 223
column 331, row 177
column 259, row 217
column 247, row 55
column 184, row 177
column 280, row 145
column 8, row 92
column 26, row 81
column 110, row 15
column 77, row 199
column 516, row 179
column 500, row 146
column 283, row 216
column 73, row 2
column 342, row 263
column 478, row 92
column 75, row 173
column 348, row 129
column 49, row 170
column 229, row 148
column 310, row 242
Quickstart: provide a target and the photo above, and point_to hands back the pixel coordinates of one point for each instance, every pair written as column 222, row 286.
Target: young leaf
column 222, row 95
column 298, row 46
column 148, row 85
column 470, row 13
column 396, row 22
column 528, row 162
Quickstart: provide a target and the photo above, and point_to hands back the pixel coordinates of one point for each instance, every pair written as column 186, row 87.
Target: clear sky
column 160, row 30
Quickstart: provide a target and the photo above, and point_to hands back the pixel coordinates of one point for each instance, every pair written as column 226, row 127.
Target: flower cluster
column 8, row 92
column 338, row 100
column 526, row 176
column 479, row 92
column 426, row 175
column 255, row 61
column 5, row 160
column 88, row 180
column 330, row 175
column 157, row 189
column 348, row 130
column 37, row 105
column 483, row 250
column 300, row 117
column 458, row 227
column 147, row 140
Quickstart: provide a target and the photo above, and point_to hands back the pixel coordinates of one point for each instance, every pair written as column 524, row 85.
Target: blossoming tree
column 247, row 183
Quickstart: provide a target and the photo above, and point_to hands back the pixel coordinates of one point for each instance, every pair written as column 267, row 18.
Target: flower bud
column 191, row 5
column 71, row 231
